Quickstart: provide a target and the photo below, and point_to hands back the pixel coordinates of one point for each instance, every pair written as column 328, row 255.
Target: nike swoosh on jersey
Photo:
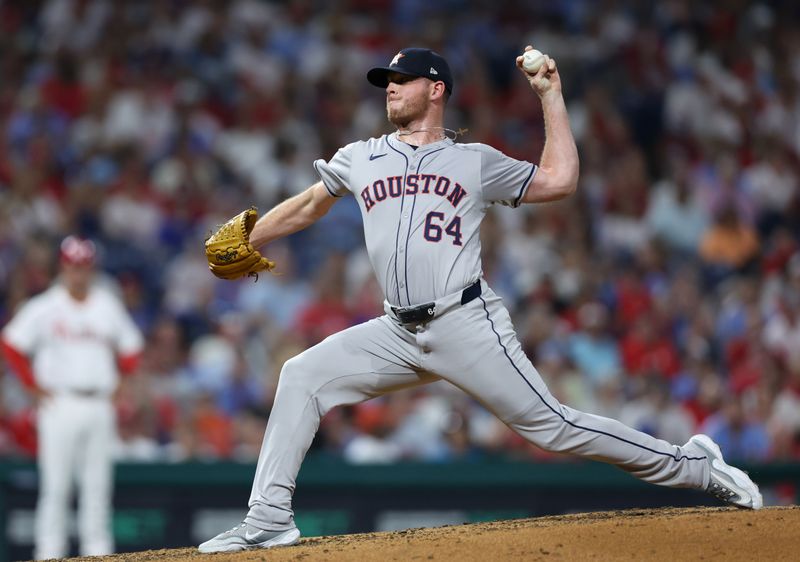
column 376, row 156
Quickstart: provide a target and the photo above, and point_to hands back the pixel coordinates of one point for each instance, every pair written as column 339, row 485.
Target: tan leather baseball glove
column 229, row 251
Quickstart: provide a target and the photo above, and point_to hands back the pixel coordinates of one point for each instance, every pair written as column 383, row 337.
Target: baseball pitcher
column 422, row 198
column 80, row 337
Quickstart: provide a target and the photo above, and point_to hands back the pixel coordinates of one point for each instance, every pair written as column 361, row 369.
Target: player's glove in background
column 229, row 251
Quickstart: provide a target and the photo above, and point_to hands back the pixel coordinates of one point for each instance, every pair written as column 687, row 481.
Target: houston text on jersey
column 392, row 187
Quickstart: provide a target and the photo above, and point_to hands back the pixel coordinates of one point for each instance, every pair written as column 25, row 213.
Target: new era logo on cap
column 414, row 61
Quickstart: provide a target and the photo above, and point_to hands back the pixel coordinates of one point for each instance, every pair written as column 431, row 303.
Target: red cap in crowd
column 78, row 251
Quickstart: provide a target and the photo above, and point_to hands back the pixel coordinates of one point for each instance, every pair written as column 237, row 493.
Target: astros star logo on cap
column 396, row 59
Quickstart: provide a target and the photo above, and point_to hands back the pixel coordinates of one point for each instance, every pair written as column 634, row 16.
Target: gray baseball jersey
column 423, row 207
column 422, row 210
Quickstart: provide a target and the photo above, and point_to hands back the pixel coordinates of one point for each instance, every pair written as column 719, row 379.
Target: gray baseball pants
column 472, row 346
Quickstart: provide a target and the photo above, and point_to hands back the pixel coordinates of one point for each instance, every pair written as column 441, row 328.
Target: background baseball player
column 80, row 337
column 422, row 198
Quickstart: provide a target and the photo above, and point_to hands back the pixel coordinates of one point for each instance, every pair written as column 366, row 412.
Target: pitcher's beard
column 401, row 117
column 397, row 121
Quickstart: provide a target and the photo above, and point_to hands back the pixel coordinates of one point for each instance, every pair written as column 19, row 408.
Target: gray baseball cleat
column 727, row 483
column 245, row 537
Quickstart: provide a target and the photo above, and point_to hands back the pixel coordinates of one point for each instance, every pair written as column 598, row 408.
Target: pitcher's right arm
column 293, row 215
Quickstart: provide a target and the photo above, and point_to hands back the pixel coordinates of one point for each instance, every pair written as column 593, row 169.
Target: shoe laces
column 722, row 492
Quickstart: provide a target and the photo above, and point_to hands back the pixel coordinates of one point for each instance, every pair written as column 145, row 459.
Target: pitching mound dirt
column 660, row 534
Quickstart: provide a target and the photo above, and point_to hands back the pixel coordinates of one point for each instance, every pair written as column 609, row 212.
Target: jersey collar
column 406, row 148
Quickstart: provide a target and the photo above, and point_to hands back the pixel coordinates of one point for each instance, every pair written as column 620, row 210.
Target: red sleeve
column 19, row 363
column 128, row 364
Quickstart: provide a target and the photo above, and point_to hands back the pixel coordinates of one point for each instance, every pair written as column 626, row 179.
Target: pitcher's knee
column 299, row 377
column 293, row 374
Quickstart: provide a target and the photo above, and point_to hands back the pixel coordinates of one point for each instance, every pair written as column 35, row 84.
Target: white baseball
column 532, row 60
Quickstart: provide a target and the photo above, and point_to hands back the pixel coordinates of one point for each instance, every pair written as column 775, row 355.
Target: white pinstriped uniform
column 422, row 210
column 74, row 345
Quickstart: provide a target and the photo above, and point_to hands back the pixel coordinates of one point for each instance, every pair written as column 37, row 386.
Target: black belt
column 425, row 312
column 85, row 392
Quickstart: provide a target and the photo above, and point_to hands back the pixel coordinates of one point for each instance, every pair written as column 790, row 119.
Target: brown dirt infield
column 727, row 534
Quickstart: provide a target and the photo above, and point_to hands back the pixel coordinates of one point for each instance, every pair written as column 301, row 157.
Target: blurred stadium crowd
column 665, row 293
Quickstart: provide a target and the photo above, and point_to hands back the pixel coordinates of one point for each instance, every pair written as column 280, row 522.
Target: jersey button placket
column 401, row 250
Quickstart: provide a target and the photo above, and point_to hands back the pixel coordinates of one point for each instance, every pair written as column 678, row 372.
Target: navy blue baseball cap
column 414, row 61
